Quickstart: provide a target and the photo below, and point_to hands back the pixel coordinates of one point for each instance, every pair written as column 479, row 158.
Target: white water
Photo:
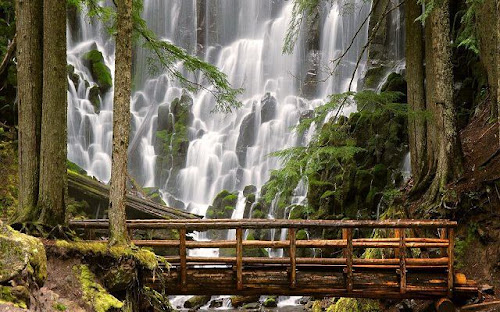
column 244, row 39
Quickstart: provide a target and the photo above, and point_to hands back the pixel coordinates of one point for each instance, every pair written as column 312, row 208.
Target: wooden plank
column 347, row 235
column 451, row 244
column 183, row 256
column 293, row 260
column 239, row 258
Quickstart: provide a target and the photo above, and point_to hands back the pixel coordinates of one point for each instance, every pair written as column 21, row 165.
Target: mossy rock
column 21, row 256
column 196, row 302
column 355, row 305
column 298, row 212
column 94, row 98
column 74, row 77
column 223, row 205
column 238, row 301
column 270, row 302
column 93, row 293
column 100, row 72
column 249, row 190
column 396, row 83
column 258, row 214
column 17, row 296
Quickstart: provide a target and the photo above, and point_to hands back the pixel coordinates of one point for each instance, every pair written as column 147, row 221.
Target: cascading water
column 244, row 39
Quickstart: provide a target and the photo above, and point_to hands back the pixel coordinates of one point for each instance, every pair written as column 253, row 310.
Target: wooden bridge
column 417, row 261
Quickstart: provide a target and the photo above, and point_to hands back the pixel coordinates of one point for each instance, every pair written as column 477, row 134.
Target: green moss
column 270, row 302
column 59, row 306
column 100, row 72
column 258, row 214
column 354, row 305
column 93, row 293
column 301, row 235
column 144, row 257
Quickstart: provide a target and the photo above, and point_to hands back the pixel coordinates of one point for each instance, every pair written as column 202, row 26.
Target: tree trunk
column 444, row 136
column 29, row 79
column 121, row 124
column 53, row 151
column 414, row 47
column 498, row 63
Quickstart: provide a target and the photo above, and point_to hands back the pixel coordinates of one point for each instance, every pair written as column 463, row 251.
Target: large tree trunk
column 53, row 151
column 444, row 134
column 415, row 76
column 29, row 79
column 498, row 63
column 121, row 124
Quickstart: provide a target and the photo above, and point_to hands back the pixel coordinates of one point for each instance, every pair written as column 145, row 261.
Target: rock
column 223, row 205
column 270, row 302
column 21, row 257
column 196, row 302
column 247, row 137
column 252, row 306
column 217, row 303
column 94, row 98
column 238, row 301
column 154, row 194
column 249, row 189
column 374, row 76
column 164, row 118
column 268, row 108
column 396, row 83
column 74, row 77
column 100, row 72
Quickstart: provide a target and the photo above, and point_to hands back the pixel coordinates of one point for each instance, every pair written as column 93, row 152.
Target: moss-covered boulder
column 21, row 256
column 196, row 302
column 354, row 305
column 100, row 71
column 238, row 301
column 223, row 205
column 95, row 98
column 270, row 302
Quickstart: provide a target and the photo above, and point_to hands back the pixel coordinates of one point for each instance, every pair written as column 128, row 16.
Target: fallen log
column 82, row 187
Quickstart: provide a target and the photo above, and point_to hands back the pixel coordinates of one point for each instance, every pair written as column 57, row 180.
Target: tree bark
column 29, row 78
column 415, row 76
column 498, row 64
column 121, row 124
column 53, row 151
column 445, row 136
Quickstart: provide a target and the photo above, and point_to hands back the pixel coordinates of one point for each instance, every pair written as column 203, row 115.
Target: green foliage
column 335, row 144
column 59, row 306
column 302, row 11
column 467, row 35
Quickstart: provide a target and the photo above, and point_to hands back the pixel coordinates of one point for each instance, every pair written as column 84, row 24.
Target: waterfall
column 244, row 39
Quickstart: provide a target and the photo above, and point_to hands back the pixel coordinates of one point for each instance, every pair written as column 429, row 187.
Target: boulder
column 238, row 301
column 247, row 136
column 100, row 71
column 21, row 256
column 268, row 108
column 196, row 302
column 94, row 98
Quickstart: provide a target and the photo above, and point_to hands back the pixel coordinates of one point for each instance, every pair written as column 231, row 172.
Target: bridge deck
column 414, row 267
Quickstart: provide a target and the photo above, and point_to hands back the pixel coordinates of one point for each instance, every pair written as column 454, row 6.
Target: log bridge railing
column 400, row 276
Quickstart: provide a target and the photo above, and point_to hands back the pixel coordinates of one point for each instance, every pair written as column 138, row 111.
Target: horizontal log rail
column 403, row 274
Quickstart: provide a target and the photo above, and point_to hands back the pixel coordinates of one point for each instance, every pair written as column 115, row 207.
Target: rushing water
column 244, row 39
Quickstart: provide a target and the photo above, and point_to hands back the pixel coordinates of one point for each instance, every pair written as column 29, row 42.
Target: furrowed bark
column 121, row 124
column 53, row 148
column 29, row 77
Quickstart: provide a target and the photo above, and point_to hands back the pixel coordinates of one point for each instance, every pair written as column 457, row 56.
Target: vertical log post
column 397, row 234
column 443, row 235
column 239, row 258
column 451, row 244
column 402, row 260
column 183, row 255
column 347, row 235
column 293, row 259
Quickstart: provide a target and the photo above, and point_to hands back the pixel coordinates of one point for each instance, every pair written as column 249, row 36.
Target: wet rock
column 74, row 77
column 487, row 289
column 270, row 302
column 217, row 303
column 247, row 137
column 94, row 98
column 223, row 205
column 100, row 71
column 268, row 108
column 154, row 194
column 196, row 302
column 238, row 301
column 396, row 83
column 252, row 306
column 249, row 189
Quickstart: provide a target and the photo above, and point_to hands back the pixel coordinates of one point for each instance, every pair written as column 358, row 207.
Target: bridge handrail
column 208, row 224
